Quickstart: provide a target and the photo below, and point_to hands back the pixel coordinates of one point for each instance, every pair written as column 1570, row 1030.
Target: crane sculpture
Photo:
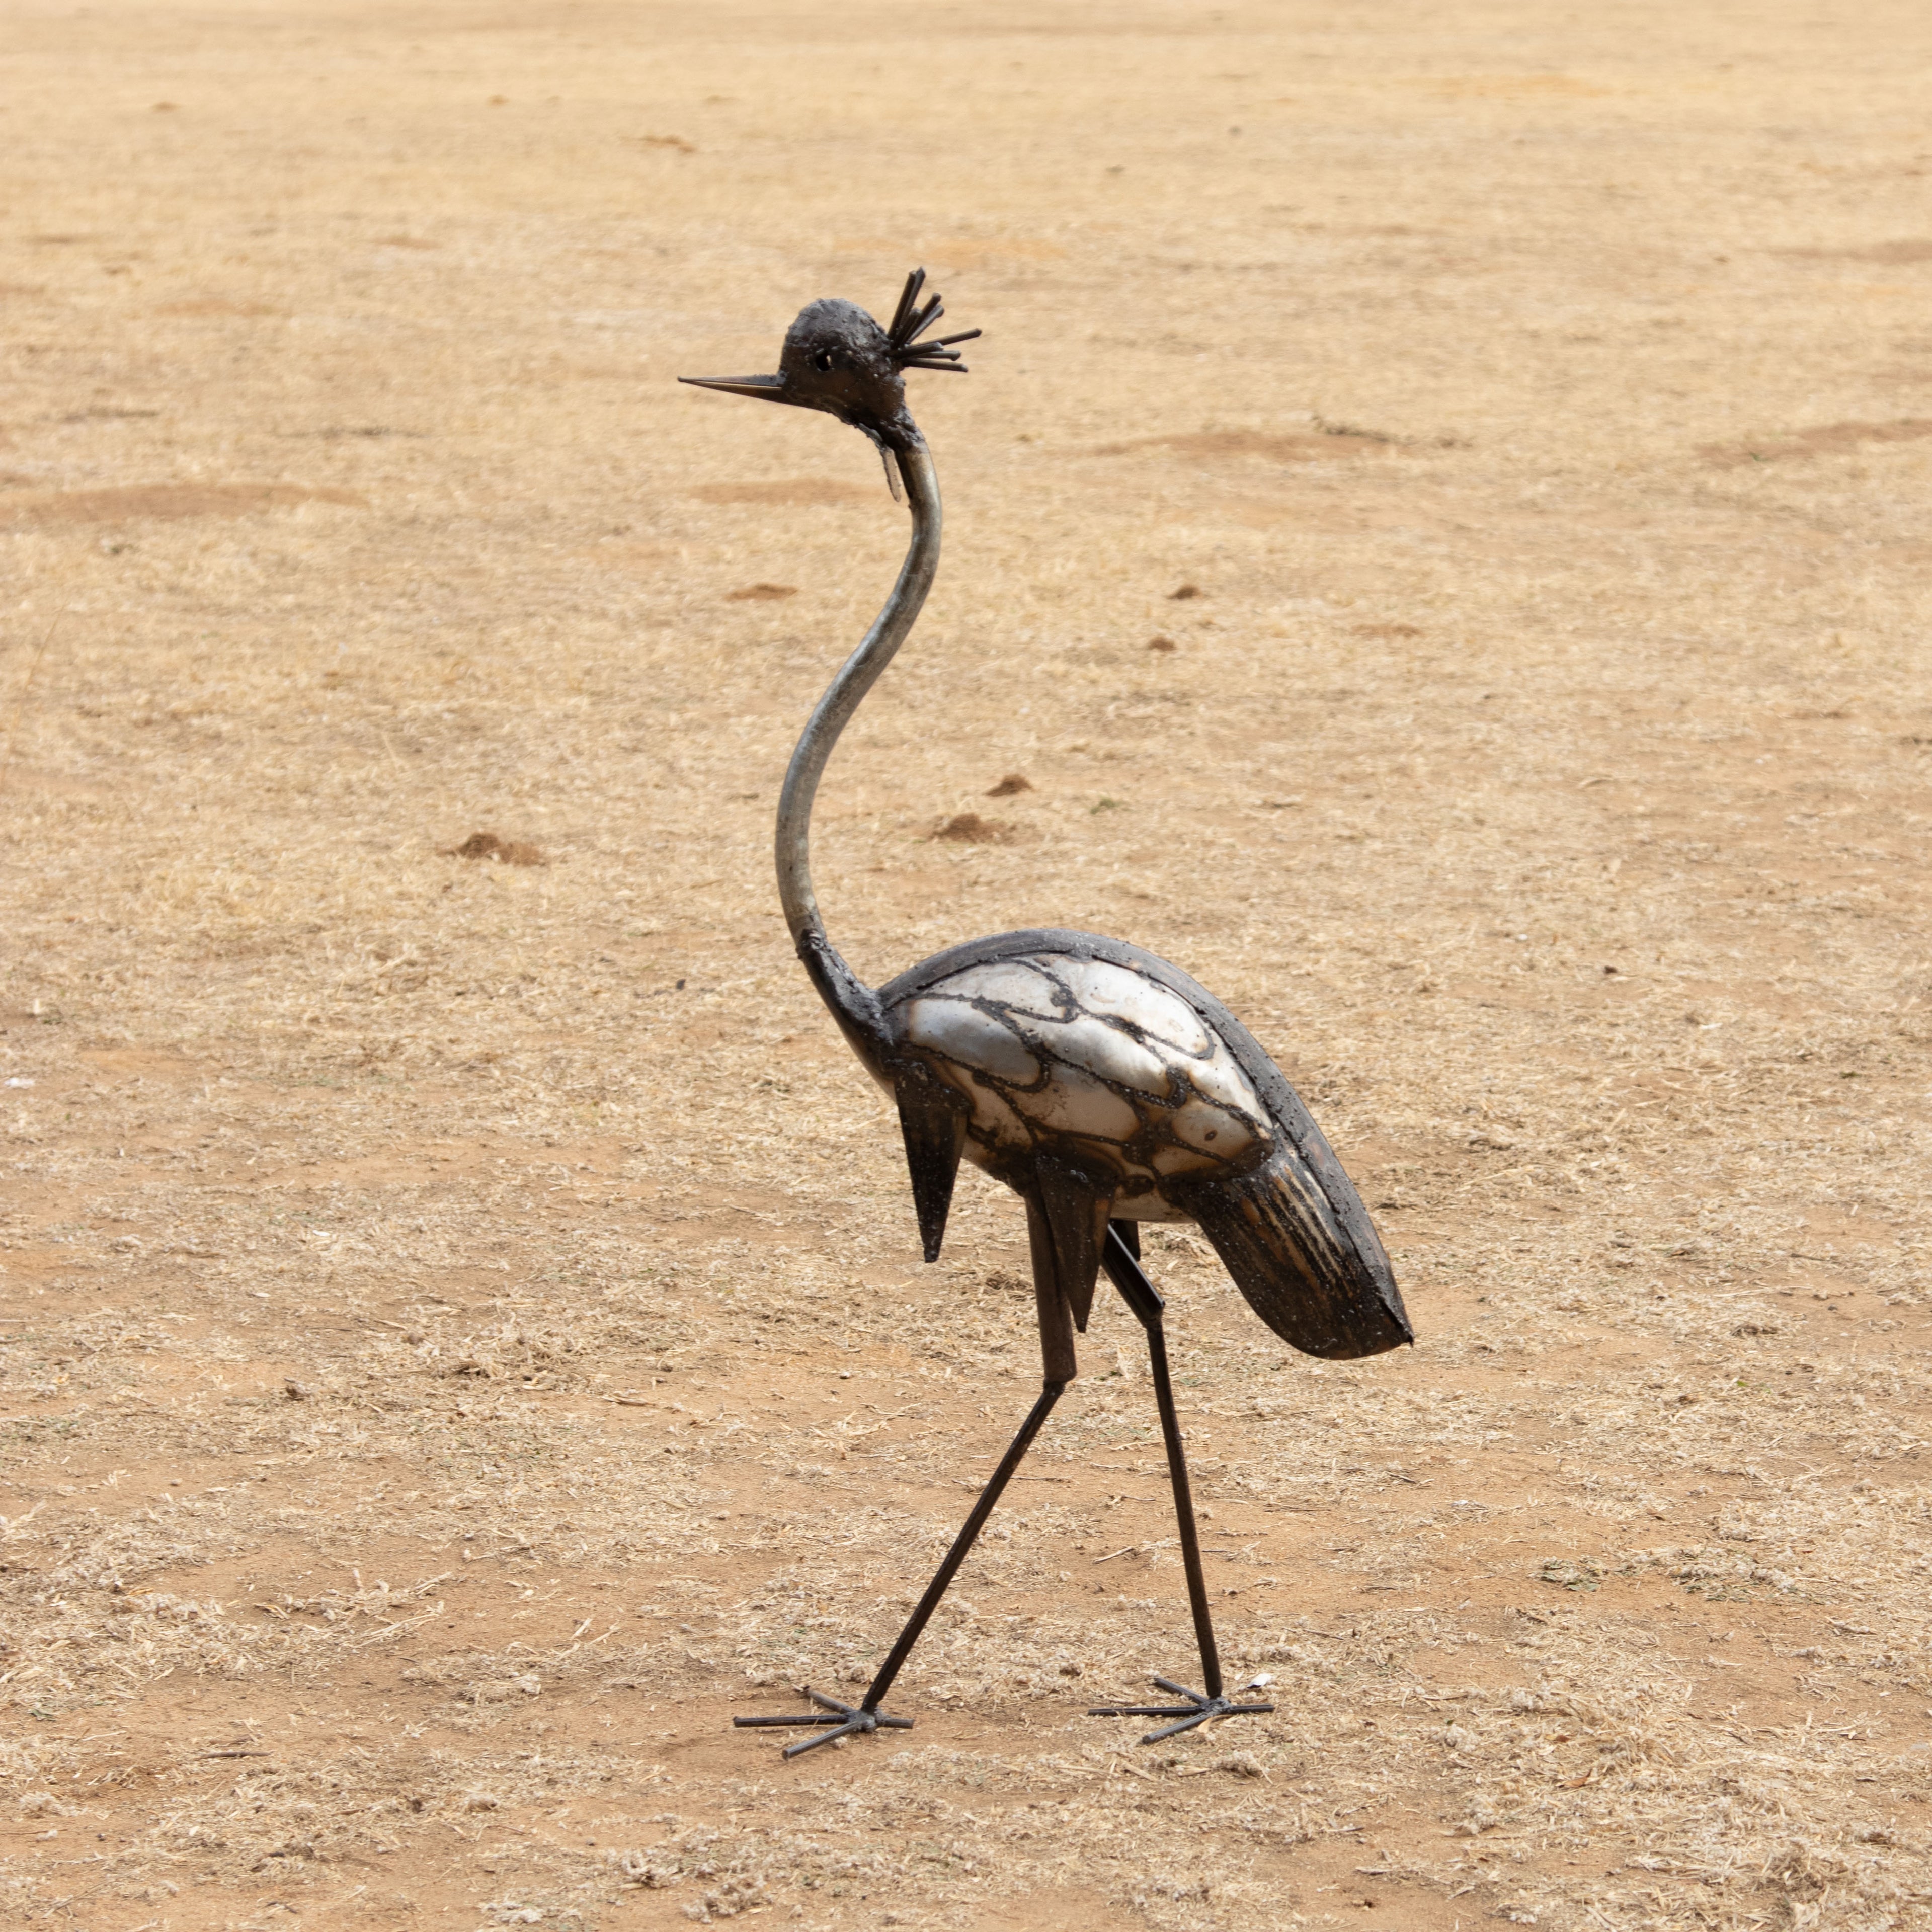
column 1101, row 1085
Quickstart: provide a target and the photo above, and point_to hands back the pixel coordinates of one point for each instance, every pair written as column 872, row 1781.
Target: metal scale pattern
column 1102, row 1083
column 1050, row 1050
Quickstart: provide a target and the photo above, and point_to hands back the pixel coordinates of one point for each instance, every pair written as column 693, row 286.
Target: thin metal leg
column 1138, row 1293
column 845, row 1721
column 1036, row 1416
column 1123, row 1270
column 1183, row 1512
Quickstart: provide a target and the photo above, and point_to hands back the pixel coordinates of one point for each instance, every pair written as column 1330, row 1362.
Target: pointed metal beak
column 770, row 388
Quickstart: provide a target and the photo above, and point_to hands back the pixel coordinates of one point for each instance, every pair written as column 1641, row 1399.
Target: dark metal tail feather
column 934, row 1127
column 1076, row 1221
column 1309, row 1263
column 1057, row 1359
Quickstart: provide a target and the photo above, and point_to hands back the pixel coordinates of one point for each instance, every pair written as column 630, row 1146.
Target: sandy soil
column 464, row 1333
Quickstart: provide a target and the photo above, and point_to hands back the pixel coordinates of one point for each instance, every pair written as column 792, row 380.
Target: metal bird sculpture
column 1100, row 1084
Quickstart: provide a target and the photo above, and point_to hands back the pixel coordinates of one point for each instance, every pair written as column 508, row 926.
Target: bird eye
column 823, row 360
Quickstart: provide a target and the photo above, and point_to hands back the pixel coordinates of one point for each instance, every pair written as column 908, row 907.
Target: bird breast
column 1091, row 1060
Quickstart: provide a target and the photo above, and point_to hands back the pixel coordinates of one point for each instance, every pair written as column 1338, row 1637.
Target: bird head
column 838, row 359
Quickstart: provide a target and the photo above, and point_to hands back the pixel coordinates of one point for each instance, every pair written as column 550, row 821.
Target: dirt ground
column 464, row 1333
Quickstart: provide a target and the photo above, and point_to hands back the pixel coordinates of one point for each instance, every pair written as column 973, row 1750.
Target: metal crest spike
column 920, row 322
column 911, row 320
column 908, row 296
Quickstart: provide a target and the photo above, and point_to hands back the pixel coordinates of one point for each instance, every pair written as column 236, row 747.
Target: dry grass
column 464, row 1337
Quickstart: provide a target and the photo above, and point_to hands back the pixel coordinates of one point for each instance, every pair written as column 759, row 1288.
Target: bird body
column 1102, row 1085
column 1078, row 1066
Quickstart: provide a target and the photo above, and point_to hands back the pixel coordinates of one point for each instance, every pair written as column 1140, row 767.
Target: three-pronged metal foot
column 846, row 1720
column 1198, row 1710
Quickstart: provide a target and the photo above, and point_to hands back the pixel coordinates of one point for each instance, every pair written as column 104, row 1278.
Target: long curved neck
column 853, row 1004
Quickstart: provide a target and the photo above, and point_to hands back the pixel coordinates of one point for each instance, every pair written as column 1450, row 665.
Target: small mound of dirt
column 968, row 828
column 761, row 593
column 1011, row 786
column 1181, row 595
column 1163, row 643
column 502, row 851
